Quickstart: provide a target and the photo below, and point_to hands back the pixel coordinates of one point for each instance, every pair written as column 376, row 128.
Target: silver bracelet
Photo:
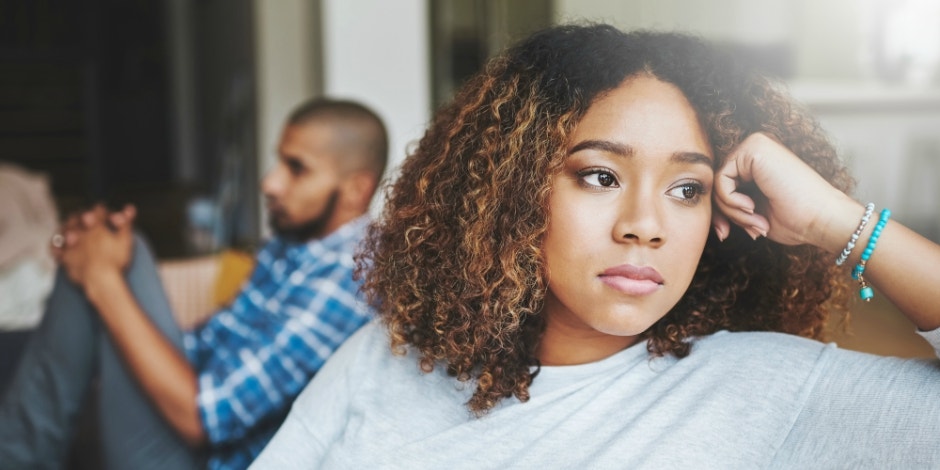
column 869, row 209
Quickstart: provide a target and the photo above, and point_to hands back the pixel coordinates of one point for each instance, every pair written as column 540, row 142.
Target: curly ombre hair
column 455, row 267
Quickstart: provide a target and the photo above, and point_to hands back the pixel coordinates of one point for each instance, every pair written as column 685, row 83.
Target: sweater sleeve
column 932, row 337
column 867, row 411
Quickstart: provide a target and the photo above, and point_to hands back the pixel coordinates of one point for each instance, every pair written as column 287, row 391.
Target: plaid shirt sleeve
column 255, row 357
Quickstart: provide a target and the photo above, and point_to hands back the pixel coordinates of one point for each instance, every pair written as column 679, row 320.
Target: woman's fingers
column 721, row 224
column 736, row 204
column 769, row 191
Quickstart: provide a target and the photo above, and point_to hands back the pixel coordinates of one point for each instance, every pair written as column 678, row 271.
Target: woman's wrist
column 840, row 220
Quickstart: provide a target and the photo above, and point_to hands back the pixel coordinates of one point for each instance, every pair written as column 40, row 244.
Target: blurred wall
column 828, row 39
column 286, row 51
column 756, row 20
column 377, row 51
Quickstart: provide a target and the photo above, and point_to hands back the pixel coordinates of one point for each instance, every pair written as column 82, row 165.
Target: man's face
column 303, row 188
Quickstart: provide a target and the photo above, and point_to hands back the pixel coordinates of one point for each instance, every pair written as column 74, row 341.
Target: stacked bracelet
column 869, row 208
column 865, row 291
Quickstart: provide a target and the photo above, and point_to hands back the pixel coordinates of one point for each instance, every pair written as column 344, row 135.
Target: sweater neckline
column 619, row 360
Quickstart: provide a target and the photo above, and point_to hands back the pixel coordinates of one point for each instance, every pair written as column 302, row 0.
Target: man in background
column 215, row 395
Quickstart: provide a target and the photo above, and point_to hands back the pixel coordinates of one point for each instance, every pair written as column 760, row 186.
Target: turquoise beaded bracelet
column 865, row 291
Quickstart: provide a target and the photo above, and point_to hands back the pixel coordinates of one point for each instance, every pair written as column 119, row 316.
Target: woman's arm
column 795, row 205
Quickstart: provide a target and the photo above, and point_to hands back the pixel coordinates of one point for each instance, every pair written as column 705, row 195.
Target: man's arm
column 285, row 324
column 95, row 259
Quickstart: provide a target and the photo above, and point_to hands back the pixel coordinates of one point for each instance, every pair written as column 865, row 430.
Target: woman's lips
column 632, row 280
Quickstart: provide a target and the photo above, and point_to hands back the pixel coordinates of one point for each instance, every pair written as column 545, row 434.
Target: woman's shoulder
column 369, row 343
column 780, row 350
column 367, row 358
column 755, row 349
column 761, row 340
column 351, row 367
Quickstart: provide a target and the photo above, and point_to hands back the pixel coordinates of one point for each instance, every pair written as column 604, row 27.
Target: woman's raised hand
column 768, row 191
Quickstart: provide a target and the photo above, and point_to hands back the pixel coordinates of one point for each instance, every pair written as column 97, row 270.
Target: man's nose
column 273, row 182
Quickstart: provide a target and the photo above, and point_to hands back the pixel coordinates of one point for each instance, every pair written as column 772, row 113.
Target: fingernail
column 748, row 210
column 721, row 236
column 760, row 232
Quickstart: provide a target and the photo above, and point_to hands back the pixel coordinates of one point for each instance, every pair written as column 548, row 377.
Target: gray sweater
column 739, row 400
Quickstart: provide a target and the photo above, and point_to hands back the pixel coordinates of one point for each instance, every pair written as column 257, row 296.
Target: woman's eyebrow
column 625, row 150
column 691, row 157
column 603, row 145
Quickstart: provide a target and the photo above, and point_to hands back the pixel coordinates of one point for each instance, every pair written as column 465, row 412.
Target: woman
column 589, row 261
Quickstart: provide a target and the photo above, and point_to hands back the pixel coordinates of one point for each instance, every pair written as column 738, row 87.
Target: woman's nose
column 640, row 221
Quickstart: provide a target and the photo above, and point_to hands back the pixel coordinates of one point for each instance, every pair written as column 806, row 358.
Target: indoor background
column 176, row 105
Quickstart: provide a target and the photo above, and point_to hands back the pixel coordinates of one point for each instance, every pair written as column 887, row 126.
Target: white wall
column 825, row 34
column 377, row 51
column 284, row 64
column 758, row 21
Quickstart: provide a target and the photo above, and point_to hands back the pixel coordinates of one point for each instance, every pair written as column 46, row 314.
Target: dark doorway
column 135, row 101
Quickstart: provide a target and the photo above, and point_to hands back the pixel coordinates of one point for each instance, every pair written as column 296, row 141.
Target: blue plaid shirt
column 254, row 357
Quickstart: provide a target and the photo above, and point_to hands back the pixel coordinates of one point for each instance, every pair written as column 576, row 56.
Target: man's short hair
column 366, row 129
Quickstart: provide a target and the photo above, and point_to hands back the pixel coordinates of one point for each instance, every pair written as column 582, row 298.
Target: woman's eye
column 599, row 178
column 688, row 192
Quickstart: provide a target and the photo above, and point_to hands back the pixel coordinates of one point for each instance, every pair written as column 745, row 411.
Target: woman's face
column 630, row 211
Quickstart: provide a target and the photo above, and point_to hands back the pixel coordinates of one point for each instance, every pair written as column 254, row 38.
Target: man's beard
column 307, row 230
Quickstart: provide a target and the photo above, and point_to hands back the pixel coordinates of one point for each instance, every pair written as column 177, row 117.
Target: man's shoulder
column 348, row 235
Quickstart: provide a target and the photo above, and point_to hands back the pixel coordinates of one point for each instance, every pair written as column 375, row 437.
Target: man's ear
column 358, row 188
